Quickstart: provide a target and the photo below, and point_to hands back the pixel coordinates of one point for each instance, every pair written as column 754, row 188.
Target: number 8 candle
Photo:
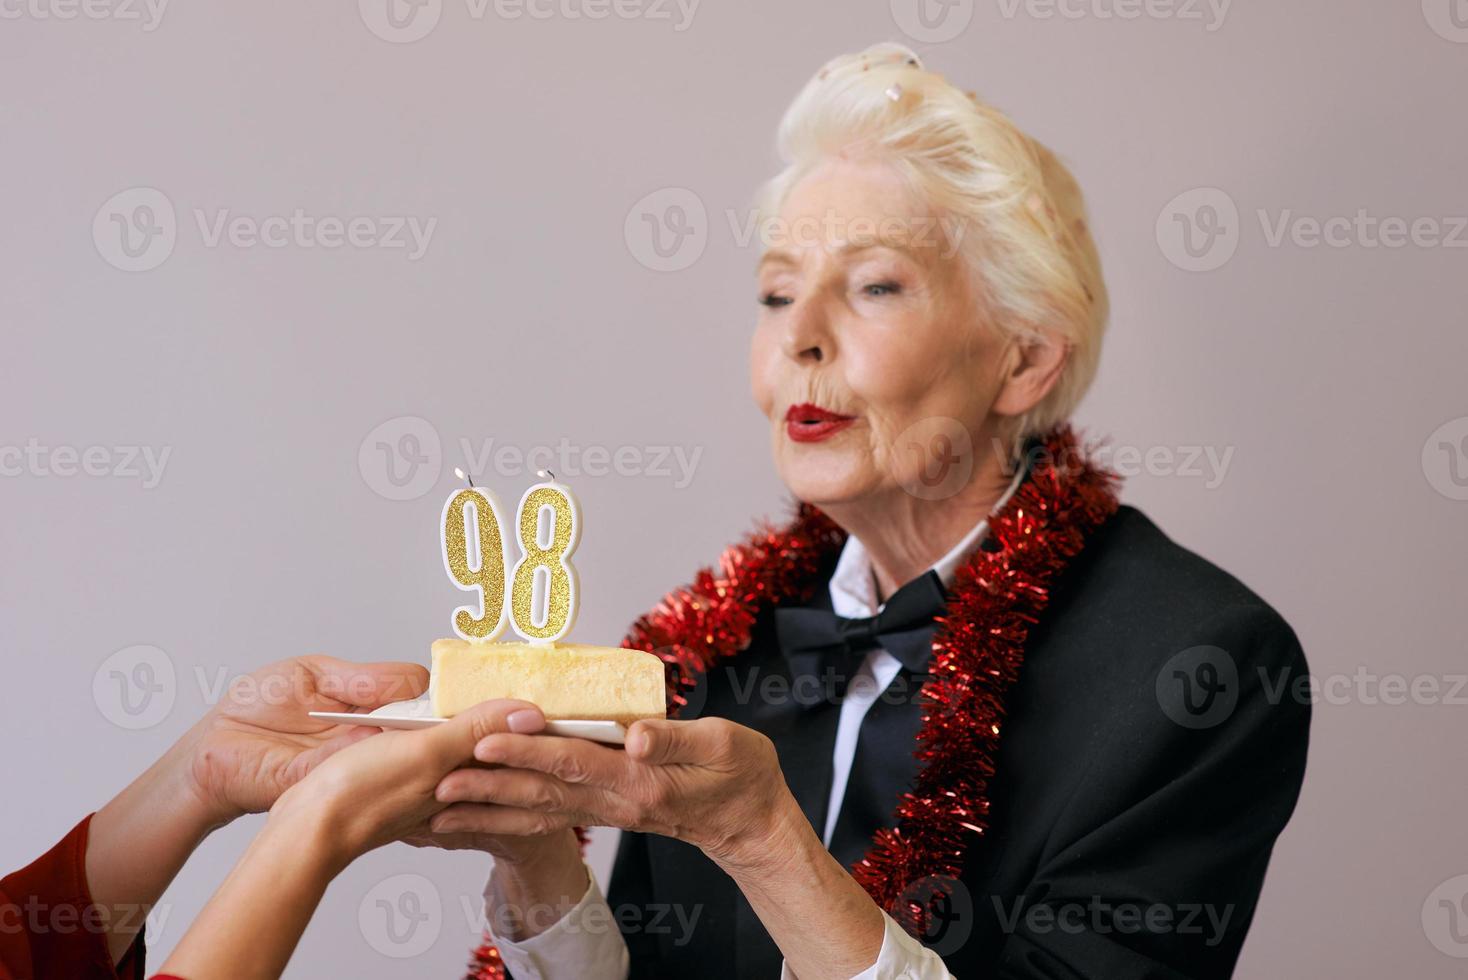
column 561, row 593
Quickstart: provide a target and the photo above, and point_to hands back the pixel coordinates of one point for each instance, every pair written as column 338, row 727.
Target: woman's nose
column 808, row 335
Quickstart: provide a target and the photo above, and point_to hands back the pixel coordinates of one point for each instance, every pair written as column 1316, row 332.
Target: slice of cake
column 565, row 680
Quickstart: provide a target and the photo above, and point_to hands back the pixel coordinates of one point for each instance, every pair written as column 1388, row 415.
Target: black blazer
column 1154, row 751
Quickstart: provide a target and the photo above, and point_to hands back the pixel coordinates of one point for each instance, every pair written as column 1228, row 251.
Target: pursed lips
column 812, row 423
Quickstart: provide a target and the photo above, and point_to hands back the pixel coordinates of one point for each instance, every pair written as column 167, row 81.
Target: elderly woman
column 965, row 714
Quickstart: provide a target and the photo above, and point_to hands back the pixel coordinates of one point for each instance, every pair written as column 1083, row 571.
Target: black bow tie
column 817, row 641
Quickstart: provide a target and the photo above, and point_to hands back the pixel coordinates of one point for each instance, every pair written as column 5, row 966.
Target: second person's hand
column 367, row 794
column 383, row 788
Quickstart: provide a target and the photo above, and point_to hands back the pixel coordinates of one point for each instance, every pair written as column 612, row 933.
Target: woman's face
column 868, row 359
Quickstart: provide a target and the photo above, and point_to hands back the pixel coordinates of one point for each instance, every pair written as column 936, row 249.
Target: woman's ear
column 1035, row 365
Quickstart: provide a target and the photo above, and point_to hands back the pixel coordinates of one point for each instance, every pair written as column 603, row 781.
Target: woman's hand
column 256, row 742
column 260, row 739
column 362, row 797
column 710, row 782
column 522, row 849
column 531, row 873
column 383, row 789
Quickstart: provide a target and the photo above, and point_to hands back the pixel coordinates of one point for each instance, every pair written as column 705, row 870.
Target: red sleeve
column 49, row 926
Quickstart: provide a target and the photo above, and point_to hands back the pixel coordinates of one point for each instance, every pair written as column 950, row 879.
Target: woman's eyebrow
column 782, row 256
column 776, row 256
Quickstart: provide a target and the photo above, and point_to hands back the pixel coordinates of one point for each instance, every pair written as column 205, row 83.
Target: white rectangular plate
column 419, row 714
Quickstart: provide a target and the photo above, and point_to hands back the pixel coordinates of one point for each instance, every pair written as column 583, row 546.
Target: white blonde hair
column 1026, row 235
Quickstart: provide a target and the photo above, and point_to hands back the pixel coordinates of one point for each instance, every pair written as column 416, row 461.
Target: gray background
column 531, row 318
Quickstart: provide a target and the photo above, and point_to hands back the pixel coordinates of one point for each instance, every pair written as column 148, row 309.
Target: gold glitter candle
column 488, row 579
column 562, row 598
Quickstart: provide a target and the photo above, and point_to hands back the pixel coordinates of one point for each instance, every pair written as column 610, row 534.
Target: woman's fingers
column 526, row 789
column 454, row 742
column 529, row 790
column 365, row 685
column 486, row 818
column 571, row 760
column 523, row 788
column 663, row 742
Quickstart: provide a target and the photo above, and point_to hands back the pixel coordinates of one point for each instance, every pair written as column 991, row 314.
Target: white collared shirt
column 570, row 950
column 854, row 596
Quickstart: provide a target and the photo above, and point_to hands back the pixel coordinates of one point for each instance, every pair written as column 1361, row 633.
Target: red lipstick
column 811, row 423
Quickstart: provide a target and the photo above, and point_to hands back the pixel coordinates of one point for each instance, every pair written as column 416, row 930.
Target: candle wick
column 464, row 476
column 546, row 473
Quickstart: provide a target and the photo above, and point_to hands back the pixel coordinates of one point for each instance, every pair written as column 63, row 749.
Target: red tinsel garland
column 996, row 597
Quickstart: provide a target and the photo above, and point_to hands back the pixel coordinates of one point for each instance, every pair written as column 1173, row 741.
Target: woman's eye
column 774, row 300
column 884, row 288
